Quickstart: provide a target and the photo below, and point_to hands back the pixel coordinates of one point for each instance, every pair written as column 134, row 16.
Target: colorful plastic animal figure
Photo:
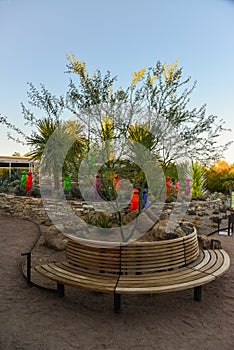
column 144, row 199
column 168, row 185
column 97, row 186
column 28, row 183
column 23, row 179
column 177, row 187
column 187, row 186
column 134, row 205
column 67, row 181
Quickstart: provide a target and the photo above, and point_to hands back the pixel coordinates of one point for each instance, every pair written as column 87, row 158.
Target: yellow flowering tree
column 137, row 76
column 107, row 135
column 158, row 96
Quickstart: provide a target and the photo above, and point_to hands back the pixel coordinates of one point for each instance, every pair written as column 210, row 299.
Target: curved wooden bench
column 138, row 267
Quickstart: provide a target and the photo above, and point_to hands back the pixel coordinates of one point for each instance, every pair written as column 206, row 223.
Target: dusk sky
column 121, row 36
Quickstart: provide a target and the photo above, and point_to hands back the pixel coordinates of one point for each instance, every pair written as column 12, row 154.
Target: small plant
column 103, row 220
column 99, row 219
column 19, row 191
column 198, row 179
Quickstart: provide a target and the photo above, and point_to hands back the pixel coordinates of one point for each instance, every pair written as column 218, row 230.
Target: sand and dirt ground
column 34, row 318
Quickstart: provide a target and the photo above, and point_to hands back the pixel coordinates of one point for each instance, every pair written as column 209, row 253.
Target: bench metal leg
column 117, row 302
column 197, row 293
column 60, row 289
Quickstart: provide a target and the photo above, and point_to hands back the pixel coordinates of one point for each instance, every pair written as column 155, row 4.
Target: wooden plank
column 219, row 264
column 226, row 263
column 157, row 286
column 85, row 281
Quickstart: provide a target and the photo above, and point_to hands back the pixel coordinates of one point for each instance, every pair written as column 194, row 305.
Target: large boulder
column 54, row 239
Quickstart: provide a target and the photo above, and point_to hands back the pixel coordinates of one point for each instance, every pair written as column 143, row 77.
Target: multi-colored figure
column 116, row 182
column 187, row 186
column 168, row 185
column 97, row 186
column 23, row 179
column 144, row 199
column 67, row 181
column 134, row 205
column 28, row 183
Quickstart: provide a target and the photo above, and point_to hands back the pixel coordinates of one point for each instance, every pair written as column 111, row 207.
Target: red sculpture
column 168, row 185
column 177, row 187
column 134, row 205
column 28, row 183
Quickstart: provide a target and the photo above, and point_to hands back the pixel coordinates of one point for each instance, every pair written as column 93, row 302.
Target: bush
column 75, row 192
column 19, row 191
column 35, row 192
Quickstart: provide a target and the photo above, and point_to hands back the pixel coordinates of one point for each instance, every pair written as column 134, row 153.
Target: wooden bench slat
column 154, row 288
column 225, row 265
column 78, row 278
column 218, row 263
column 75, row 269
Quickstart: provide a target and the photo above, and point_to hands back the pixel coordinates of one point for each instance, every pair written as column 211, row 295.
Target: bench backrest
column 135, row 257
column 93, row 258
column 147, row 257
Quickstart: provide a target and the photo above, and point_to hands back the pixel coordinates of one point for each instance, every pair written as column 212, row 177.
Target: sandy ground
column 34, row 318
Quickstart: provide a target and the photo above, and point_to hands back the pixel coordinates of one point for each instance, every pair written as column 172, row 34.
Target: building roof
column 15, row 159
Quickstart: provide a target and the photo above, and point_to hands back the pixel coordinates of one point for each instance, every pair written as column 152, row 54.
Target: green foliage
column 228, row 183
column 198, row 179
column 172, row 128
column 75, row 192
column 214, row 181
column 99, row 220
column 220, row 178
column 19, row 191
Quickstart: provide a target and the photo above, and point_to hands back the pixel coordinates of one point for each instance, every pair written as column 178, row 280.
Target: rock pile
column 161, row 231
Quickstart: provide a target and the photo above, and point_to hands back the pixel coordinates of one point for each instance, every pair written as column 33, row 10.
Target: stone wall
column 22, row 207
column 33, row 209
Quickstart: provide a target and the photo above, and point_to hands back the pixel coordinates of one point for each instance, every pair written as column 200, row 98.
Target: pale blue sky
column 121, row 36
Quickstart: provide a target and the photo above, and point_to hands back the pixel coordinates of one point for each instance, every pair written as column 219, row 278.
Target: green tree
column 220, row 177
column 166, row 95
column 50, row 151
column 158, row 97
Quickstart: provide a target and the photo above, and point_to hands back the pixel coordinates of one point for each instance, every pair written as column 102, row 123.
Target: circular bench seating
column 137, row 267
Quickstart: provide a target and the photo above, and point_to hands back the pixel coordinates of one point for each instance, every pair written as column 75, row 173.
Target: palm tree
column 55, row 144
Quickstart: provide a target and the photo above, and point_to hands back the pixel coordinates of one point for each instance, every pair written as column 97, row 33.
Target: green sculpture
column 67, row 181
column 23, row 179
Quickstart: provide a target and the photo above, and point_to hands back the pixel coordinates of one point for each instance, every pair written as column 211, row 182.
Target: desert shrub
column 75, row 192
column 35, row 192
column 19, row 191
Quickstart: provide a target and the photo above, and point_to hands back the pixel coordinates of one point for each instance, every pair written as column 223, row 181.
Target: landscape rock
column 54, row 239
